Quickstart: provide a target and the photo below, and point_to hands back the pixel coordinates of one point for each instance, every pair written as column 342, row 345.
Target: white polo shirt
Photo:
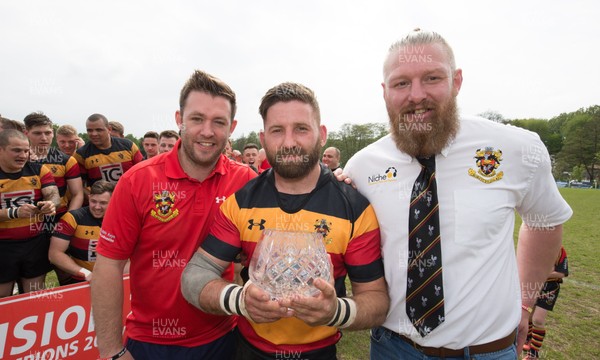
column 489, row 171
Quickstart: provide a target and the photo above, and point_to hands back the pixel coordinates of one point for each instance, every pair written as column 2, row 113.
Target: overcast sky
column 129, row 59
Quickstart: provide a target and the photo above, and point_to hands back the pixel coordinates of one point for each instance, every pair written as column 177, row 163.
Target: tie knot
column 428, row 162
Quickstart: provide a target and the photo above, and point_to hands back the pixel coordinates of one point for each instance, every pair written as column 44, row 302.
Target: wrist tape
column 84, row 273
column 232, row 301
column 345, row 313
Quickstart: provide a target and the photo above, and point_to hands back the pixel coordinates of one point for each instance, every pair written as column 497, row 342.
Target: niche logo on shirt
column 487, row 160
column 390, row 174
column 164, row 206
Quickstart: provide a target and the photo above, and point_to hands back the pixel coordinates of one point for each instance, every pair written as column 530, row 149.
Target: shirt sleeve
column 72, row 169
column 136, row 154
column 562, row 265
column 543, row 205
column 363, row 255
column 46, row 177
column 82, row 169
column 119, row 233
column 223, row 240
column 65, row 227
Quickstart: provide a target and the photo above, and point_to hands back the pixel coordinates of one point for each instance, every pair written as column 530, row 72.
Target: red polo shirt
column 156, row 218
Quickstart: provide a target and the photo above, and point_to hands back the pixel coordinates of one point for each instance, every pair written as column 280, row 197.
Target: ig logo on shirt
column 111, row 172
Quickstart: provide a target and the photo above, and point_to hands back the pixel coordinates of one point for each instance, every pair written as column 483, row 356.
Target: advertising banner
column 51, row 324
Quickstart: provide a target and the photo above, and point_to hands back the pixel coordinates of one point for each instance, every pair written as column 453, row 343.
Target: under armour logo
column 219, row 200
column 261, row 224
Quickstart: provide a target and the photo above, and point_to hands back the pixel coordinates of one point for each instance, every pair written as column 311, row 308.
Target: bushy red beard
column 425, row 138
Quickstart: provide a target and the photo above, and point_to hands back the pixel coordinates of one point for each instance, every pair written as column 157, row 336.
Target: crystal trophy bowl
column 286, row 263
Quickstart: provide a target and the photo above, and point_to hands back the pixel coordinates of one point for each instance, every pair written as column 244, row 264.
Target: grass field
column 573, row 328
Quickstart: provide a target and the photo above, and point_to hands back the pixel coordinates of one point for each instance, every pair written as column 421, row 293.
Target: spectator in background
column 150, row 144
column 64, row 168
column 167, row 141
column 228, row 148
column 11, row 124
column 236, row 155
column 331, row 158
column 116, row 129
column 545, row 302
column 249, row 155
column 73, row 245
column 28, row 193
column 68, row 140
column 262, row 161
column 105, row 157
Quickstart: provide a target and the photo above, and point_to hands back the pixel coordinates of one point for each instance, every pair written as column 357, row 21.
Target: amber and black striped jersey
column 561, row 265
column 108, row 164
column 82, row 229
column 24, row 187
column 336, row 210
column 63, row 168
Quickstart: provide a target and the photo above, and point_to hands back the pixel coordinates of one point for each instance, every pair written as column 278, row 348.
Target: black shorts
column 548, row 295
column 25, row 259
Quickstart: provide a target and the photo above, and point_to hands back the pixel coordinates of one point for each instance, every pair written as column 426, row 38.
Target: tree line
column 572, row 139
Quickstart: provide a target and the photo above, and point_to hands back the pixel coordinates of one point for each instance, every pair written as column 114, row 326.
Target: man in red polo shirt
column 159, row 211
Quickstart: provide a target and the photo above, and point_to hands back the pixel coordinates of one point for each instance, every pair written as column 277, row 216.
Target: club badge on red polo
column 164, row 206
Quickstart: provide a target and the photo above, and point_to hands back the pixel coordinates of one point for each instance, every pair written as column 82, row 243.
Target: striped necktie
column 424, row 290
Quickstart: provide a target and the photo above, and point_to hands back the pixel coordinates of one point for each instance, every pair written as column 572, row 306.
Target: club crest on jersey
column 164, row 203
column 54, row 169
column 34, row 181
column 323, row 227
column 487, row 160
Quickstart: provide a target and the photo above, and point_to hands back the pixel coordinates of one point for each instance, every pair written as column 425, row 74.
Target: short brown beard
column 295, row 170
column 425, row 142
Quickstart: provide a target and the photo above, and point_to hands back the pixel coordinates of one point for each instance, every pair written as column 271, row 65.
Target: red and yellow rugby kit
column 63, row 168
column 82, row 229
column 24, row 187
column 107, row 164
column 336, row 210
